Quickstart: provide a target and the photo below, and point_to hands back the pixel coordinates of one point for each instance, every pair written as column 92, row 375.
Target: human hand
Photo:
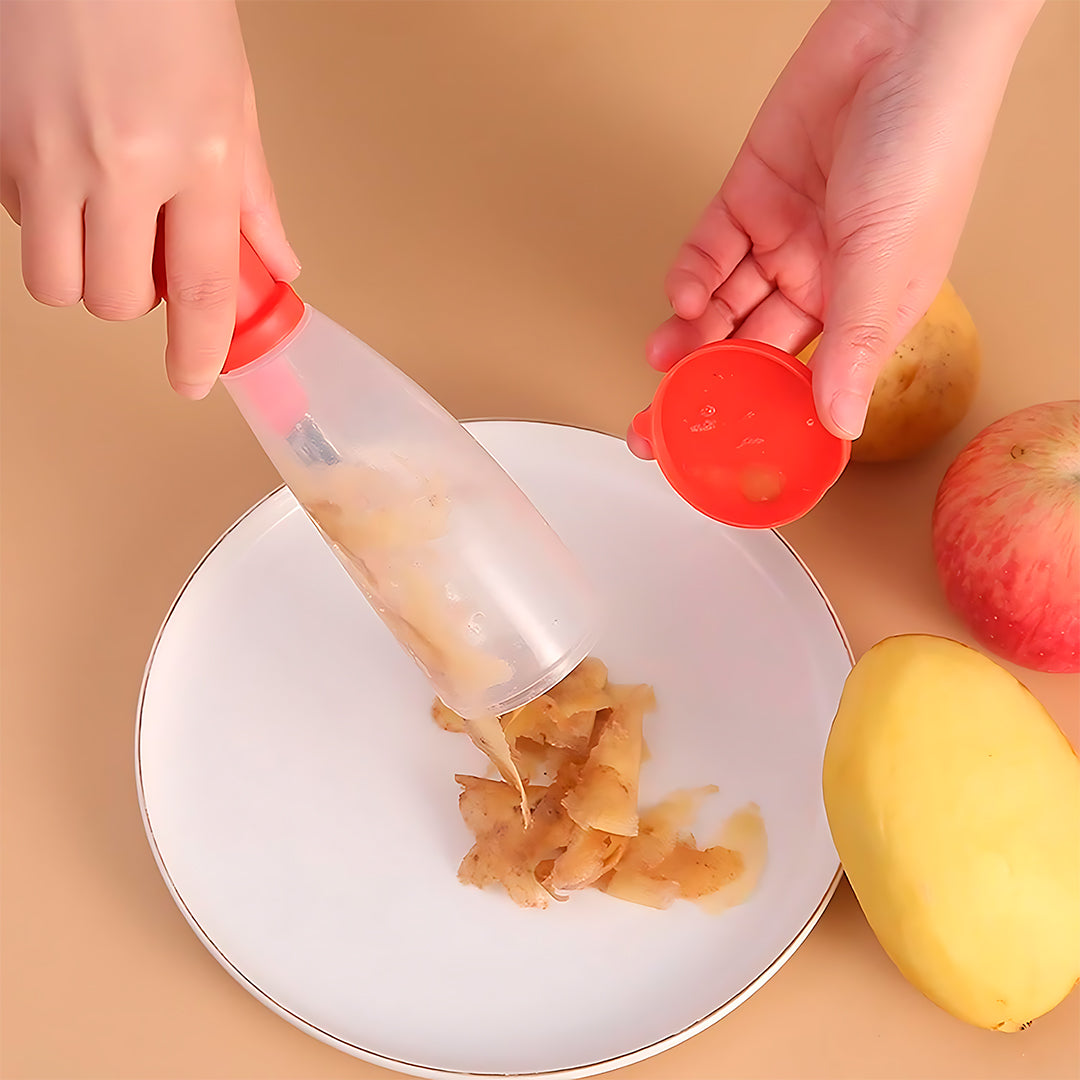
column 845, row 204
column 125, row 124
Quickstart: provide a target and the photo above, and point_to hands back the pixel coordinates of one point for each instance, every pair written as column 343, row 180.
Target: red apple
column 1007, row 536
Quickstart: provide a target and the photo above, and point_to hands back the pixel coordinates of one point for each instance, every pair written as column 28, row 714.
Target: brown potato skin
column 925, row 388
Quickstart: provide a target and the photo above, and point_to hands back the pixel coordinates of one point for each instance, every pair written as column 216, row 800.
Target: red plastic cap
column 734, row 430
column 267, row 311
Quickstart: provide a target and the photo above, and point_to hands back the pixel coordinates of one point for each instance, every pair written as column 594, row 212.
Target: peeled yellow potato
column 925, row 387
column 954, row 804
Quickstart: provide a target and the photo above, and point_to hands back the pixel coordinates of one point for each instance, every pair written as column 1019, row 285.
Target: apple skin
column 1006, row 534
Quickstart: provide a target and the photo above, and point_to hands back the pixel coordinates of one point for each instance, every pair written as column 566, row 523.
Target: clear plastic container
column 460, row 566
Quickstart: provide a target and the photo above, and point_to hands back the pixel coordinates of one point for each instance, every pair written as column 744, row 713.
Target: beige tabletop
column 489, row 194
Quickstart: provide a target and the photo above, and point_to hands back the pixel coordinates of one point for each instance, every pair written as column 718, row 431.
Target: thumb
column 873, row 303
column 260, row 220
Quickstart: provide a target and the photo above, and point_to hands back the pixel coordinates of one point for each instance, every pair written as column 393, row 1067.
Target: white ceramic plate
column 303, row 810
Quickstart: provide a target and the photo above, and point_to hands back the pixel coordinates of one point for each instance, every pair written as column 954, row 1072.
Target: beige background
column 489, row 194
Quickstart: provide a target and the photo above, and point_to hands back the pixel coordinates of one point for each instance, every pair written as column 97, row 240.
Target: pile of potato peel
column 564, row 815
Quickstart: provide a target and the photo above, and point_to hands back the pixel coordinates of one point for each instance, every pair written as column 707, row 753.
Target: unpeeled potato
column 926, row 386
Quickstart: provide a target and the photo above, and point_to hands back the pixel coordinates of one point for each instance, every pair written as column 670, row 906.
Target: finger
column 709, row 255
column 862, row 328
column 52, row 245
column 119, row 251
column 736, row 298
column 777, row 321
column 202, row 256
column 744, row 290
column 638, row 445
column 260, row 219
column 261, row 223
column 676, row 338
column 9, row 197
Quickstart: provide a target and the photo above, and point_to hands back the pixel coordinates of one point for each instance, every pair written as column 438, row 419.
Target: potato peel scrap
column 581, row 828
column 495, row 818
column 586, row 858
column 743, row 833
column 446, row 718
column 544, row 722
column 606, row 797
column 487, row 734
column 661, row 826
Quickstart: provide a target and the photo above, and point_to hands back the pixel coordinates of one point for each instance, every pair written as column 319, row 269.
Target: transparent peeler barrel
column 460, row 566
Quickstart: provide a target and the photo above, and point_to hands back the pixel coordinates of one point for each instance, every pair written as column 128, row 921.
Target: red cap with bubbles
column 734, row 430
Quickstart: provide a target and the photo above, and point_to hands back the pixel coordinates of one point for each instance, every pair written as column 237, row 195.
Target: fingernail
column 296, row 261
column 848, row 412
